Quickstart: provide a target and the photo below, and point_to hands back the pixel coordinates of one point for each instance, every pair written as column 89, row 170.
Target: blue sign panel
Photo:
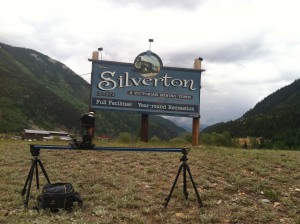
column 145, row 87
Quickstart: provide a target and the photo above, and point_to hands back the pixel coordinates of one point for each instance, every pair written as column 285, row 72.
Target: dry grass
column 130, row 187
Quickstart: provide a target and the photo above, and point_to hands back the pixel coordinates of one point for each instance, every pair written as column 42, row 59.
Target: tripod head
column 34, row 151
column 184, row 156
column 185, row 151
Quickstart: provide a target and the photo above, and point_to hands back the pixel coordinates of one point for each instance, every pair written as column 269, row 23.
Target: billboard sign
column 145, row 87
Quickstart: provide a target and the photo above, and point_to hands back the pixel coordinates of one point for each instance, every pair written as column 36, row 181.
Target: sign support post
column 91, row 130
column 144, row 127
column 196, row 120
column 195, row 135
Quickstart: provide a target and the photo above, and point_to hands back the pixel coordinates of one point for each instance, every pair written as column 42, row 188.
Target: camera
column 87, row 131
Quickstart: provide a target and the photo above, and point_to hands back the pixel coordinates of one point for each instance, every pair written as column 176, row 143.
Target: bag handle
column 77, row 198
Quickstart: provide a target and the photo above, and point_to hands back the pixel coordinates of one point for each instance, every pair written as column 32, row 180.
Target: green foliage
column 188, row 137
column 178, row 140
column 271, row 194
column 163, row 128
column 34, row 91
column 155, row 139
column 125, row 137
column 276, row 119
column 217, row 139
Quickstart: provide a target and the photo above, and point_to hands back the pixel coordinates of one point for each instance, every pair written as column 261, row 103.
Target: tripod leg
column 184, row 182
column 194, row 185
column 26, row 182
column 29, row 182
column 37, row 176
column 43, row 169
column 173, row 186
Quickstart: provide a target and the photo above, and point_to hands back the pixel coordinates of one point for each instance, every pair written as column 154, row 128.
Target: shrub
column 125, row 137
column 216, row 139
column 155, row 139
column 177, row 140
column 188, row 137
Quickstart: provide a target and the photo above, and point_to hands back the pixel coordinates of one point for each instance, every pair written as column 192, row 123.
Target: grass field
column 235, row 185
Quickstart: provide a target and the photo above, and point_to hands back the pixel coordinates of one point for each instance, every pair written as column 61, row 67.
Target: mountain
column 276, row 118
column 38, row 92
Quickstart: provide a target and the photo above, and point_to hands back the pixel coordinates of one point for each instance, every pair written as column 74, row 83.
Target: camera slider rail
column 35, row 151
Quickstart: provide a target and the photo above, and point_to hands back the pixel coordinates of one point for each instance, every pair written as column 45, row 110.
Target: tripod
column 35, row 162
column 185, row 167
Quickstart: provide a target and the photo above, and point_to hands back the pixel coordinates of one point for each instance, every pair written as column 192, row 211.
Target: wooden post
column 196, row 120
column 144, row 127
column 95, row 55
column 195, row 134
column 91, row 130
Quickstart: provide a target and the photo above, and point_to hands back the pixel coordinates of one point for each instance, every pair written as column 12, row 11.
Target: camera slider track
column 35, row 151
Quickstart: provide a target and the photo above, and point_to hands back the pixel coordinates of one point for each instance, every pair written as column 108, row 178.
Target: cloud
column 248, row 49
column 154, row 4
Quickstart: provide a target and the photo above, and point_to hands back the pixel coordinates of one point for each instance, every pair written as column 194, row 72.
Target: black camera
column 87, row 120
column 87, row 131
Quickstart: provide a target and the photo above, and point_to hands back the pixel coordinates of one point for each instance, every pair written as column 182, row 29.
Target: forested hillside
column 276, row 119
column 38, row 92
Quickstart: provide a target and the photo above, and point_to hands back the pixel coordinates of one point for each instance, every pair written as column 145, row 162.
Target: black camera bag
column 58, row 196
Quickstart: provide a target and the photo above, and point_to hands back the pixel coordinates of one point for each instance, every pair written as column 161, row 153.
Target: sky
column 250, row 48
